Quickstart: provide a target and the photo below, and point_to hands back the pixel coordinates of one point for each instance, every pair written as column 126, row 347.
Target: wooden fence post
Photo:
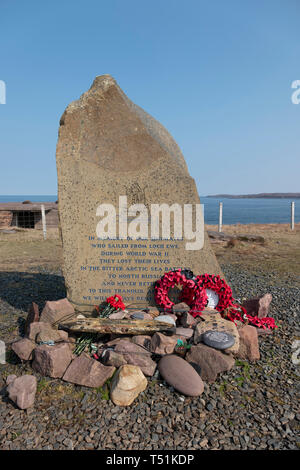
column 292, row 215
column 220, row 216
column 44, row 221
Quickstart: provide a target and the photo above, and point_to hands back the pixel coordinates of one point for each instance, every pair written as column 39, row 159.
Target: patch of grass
column 42, row 385
column 245, row 368
column 103, row 391
column 222, row 389
column 280, row 252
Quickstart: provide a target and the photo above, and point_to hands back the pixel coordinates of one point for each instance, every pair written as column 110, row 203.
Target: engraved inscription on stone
column 110, row 148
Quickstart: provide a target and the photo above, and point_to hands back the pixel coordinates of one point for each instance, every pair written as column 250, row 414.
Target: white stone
column 165, row 319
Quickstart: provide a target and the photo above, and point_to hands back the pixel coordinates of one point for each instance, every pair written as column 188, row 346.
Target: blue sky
column 216, row 74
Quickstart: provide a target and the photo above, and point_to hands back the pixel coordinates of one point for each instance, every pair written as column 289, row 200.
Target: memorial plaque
column 120, row 174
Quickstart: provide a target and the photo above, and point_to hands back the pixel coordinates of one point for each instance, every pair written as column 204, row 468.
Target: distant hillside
column 260, row 195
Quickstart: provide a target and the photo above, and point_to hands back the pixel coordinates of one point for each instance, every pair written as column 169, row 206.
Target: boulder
column 137, row 356
column 258, row 306
column 115, row 341
column 50, row 334
column 43, row 332
column 181, row 375
column 180, row 309
column 56, row 310
column 186, row 333
column 128, row 382
column 85, row 371
column 142, row 340
column 32, row 317
column 162, row 344
column 249, row 347
column 10, row 379
column 23, row 349
column 209, row 362
column 187, row 320
column 52, row 361
column 35, row 328
column 214, row 321
column 22, row 391
column 111, row 358
column 109, row 147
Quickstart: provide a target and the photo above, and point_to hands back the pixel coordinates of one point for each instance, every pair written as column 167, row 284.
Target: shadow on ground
column 19, row 289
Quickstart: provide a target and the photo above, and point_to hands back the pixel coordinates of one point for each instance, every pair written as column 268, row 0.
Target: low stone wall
column 5, row 218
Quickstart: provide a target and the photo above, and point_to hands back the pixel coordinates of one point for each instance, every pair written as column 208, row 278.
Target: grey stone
column 218, row 339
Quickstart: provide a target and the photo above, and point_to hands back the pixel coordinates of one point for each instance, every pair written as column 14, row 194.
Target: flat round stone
column 218, row 339
column 181, row 375
column 166, row 319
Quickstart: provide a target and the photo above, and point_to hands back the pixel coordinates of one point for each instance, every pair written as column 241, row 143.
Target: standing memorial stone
column 114, row 161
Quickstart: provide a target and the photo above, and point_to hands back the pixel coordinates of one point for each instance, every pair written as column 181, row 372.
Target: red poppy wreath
column 194, row 294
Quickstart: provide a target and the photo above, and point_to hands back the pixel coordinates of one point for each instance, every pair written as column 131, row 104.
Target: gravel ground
column 253, row 406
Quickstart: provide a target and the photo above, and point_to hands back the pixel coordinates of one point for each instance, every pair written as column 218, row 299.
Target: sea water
column 242, row 211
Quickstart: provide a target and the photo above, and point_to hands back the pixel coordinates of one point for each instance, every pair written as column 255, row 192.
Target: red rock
column 137, row 356
column 10, row 379
column 85, row 371
column 22, row 391
column 184, row 332
column 249, row 347
column 50, row 334
column 118, row 315
column 258, row 306
column 209, row 362
column 115, row 341
column 181, row 375
column 187, row 320
column 142, row 340
column 35, row 328
column 42, row 331
column 56, row 310
column 264, row 332
column 111, row 358
column 180, row 309
column 33, row 316
column 52, row 361
column 162, row 344
column 23, row 349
